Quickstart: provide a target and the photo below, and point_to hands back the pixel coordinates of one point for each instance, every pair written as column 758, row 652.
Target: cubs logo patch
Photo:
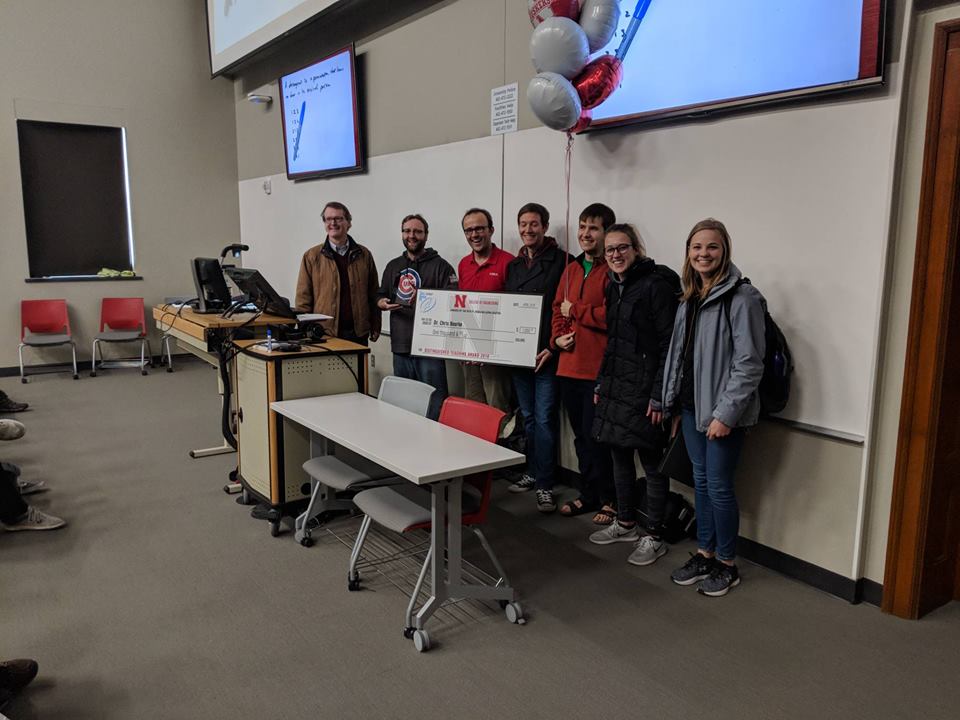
column 407, row 286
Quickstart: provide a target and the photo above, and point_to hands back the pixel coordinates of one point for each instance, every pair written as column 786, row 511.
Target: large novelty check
column 498, row 328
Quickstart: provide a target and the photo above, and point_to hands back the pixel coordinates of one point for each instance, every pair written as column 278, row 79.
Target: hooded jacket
column 728, row 348
column 401, row 279
column 318, row 287
column 640, row 321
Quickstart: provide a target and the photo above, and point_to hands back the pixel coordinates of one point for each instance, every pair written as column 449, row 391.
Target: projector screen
column 238, row 28
column 686, row 57
column 321, row 123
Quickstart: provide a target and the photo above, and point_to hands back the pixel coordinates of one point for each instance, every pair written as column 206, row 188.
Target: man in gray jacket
column 417, row 267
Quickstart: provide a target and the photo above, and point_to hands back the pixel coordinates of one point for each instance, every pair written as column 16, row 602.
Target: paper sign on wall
column 503, row 109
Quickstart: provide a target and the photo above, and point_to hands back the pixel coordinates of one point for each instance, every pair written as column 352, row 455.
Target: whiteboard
column 805, row 193
column 439, row 183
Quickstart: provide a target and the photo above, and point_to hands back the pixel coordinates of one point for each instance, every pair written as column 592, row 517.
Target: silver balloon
column 559, row 45
column 599, row 20
column 554, row 101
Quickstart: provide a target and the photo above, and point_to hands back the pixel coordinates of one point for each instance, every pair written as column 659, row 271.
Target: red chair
column 405, row 508
column 121, row 320
column 45, row 323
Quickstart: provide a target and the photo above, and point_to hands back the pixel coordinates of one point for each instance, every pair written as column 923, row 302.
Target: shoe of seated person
column 12, row 430
column 15, row 675
column 9, row 405
column 29, row 487
column 34, row 519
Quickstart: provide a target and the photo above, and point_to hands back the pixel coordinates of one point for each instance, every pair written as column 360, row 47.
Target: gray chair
column 45, row 323
column 349, row 471
column 121, row 320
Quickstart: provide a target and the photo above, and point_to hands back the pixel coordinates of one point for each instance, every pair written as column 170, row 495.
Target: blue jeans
column 714, row 466
column 432, row 371
column 537, row 395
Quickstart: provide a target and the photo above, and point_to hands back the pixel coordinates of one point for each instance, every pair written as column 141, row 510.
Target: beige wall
column 144, row 65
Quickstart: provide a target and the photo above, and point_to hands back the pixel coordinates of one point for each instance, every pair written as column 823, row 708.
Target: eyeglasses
column 477, row 229
column 412, row 231
column 334, row 220
column 616, row 250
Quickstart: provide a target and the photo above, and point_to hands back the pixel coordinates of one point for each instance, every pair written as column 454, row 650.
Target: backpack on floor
column 774, row 389
column 679, row 518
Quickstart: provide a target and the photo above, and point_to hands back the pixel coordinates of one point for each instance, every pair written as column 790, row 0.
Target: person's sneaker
column 524, row 484
column 545, row 501
column 614, row 532
column 11, row 430
column 721, row 579
column 15, row 675
column 29, row 487
column 34, row 520
column 8, row 405
column 697, row 568
column 647, row 551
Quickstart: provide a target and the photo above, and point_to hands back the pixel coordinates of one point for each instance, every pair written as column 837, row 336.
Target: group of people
column 634, row 352
column 15, row 515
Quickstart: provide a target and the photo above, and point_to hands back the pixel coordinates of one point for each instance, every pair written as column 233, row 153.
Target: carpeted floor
column 165, row 599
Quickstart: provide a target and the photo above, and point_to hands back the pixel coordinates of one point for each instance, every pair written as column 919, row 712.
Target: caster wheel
column 421, row 640
column 514, row 613
column 306, row 541
column 274, row 529
column 143, row 372
column 169, row 369
column 24, row 380
column 353, row 585
column 408, row 632
column 76, row 377
column 92, row 374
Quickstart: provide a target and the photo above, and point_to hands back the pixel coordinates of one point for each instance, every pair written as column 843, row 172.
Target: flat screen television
column 688, row 58
column 321, row 120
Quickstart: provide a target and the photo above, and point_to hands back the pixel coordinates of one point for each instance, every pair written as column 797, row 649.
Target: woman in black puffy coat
column 641, row 306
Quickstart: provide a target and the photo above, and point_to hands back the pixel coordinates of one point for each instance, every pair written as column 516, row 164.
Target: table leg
column 439, row 492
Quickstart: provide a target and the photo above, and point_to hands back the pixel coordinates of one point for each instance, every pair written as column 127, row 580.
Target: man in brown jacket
column 339, row 278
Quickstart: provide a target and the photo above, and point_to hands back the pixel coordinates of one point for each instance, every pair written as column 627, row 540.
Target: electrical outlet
column 373, row 361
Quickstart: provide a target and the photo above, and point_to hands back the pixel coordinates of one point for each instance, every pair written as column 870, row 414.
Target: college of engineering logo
column 407, row 286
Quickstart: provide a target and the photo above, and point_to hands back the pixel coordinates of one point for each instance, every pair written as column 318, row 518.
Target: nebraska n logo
column 459, row 301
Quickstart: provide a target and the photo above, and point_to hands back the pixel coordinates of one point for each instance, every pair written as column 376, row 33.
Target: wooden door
column 923, row 551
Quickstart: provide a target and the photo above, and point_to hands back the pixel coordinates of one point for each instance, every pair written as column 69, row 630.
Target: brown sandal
column 605, row 515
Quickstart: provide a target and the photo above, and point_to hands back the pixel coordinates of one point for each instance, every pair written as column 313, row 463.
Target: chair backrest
column 411, row 395
column 122, row 314
column 44, row 316
column 482, row 421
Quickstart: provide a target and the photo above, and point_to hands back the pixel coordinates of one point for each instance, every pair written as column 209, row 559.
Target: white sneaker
column 35, row 520
column 648, row 551
column 12, row 429
column 614, row 532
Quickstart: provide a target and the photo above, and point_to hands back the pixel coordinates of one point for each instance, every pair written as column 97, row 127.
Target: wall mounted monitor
column 687, row 58
column 236, row 29
column 321, row 121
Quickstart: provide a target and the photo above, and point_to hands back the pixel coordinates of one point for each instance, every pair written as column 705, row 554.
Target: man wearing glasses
column 417, row 267
column 484, row 269
column 339, row 278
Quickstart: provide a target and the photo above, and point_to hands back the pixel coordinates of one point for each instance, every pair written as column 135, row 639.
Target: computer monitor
column 260, row 292
column 212, row 293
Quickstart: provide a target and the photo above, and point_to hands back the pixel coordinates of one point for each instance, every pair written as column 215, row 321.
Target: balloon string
column 568, row 154
column 638, row 14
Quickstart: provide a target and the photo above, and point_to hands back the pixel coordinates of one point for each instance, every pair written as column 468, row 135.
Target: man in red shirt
column 484, row 269
column 579, row 333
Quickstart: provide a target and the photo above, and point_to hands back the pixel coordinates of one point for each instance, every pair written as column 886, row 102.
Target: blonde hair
column 633, row 235
column 693, row 284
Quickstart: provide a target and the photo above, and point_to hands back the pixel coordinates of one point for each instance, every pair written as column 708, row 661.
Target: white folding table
column 425, row 453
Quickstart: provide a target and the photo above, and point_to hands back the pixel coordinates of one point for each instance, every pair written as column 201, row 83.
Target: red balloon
column 540, row 10
column 586, row 117
column 598, row 80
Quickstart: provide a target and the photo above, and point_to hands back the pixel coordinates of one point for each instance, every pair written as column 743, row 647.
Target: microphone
column 236, row 249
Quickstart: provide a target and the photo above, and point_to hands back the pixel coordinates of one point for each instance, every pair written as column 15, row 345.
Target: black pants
column 596, row 473
column 12, row 506
column 625, row 480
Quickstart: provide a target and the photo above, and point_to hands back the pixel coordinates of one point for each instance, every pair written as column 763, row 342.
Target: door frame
column 937, row 226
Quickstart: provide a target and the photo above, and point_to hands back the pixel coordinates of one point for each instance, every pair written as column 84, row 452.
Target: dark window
column 74, row 198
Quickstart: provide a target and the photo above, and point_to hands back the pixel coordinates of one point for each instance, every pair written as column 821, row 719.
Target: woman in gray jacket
column 713, row 368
